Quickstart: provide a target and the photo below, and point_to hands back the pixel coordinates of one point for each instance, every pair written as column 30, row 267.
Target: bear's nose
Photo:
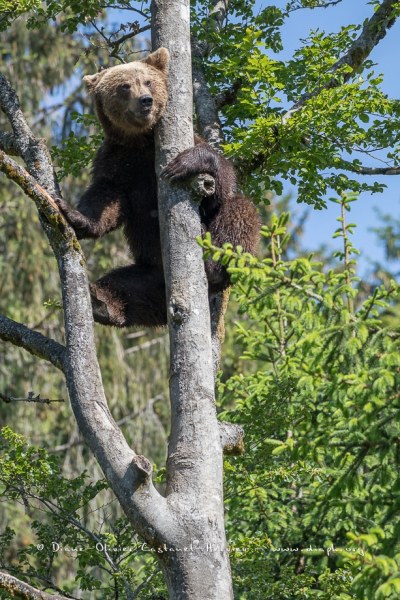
column 146, row 101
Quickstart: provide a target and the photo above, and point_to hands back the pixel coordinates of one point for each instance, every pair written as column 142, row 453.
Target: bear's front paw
column 180, row 167
column 62, row 205
column 189, row 163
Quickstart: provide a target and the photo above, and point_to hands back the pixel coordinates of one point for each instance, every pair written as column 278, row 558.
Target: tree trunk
column 195, row 465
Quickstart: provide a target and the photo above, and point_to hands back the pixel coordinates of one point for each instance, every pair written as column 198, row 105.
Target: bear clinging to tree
column 130, row 99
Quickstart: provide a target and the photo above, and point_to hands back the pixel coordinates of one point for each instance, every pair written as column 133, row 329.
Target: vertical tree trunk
column 197, row 564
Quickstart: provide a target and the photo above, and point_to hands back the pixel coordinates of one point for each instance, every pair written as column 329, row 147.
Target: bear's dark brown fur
column 129, row 100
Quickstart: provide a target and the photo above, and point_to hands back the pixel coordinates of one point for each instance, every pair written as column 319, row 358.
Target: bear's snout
column 146, row 101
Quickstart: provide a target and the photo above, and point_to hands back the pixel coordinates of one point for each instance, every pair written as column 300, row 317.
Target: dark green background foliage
column 311, row 359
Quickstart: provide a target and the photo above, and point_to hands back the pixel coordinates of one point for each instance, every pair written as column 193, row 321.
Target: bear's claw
column 190, row 162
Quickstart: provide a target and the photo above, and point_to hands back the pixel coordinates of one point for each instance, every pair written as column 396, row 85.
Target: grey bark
column 232, row 438
column 206, row 107
column 210, row 128
column 207, row 114
column 35, row 342
column 20, row 589
column 362, row 170
column 33, row 150
column 7, row 143
column 194, row 465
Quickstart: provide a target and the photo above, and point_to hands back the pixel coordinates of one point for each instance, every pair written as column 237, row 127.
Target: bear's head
column 131, row 98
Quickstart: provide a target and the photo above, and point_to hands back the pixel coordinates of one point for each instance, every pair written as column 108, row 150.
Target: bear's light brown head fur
column 131, row 98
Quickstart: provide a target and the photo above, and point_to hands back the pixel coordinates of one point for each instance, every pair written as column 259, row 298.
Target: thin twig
column 30, row 398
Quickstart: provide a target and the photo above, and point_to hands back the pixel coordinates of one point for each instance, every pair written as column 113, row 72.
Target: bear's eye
column 148, row 83
column 125, row 87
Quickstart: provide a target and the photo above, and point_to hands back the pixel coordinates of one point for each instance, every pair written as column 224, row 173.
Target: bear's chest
column 133, row 169
column 137, row 174
column 140, row 185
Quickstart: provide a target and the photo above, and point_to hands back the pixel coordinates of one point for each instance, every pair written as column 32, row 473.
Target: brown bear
column 130, row 99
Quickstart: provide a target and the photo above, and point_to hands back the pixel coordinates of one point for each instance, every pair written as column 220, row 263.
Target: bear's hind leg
column 130, row 296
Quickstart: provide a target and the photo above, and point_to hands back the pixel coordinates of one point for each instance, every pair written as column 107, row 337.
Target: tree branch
column 206, row 107
column 210, row 128
column 114, row 45
column 322, row 4
column 33, row 151
column 345, row 165
column 44, row 202
column 128, row 36
column 185, row 275
column 373, row 32
column 20, row 589
column 32, row 341
column 218, row 13
column 218, row 307
column 194, row 464
column 229, row 96
column 31, row 398
column 206, row 110
column 7, row 143
column 232, row 438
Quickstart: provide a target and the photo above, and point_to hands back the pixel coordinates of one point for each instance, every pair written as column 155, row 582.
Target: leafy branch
column 374, row 30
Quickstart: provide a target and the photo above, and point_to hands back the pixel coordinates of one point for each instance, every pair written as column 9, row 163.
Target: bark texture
column 33, row 341
column 194, row 466
column 19, row 589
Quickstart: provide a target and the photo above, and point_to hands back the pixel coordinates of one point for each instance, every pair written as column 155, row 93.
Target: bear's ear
column 158, row 59
column 92, row 80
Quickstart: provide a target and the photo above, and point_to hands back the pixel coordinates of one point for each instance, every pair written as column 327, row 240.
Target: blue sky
column 321, row 224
